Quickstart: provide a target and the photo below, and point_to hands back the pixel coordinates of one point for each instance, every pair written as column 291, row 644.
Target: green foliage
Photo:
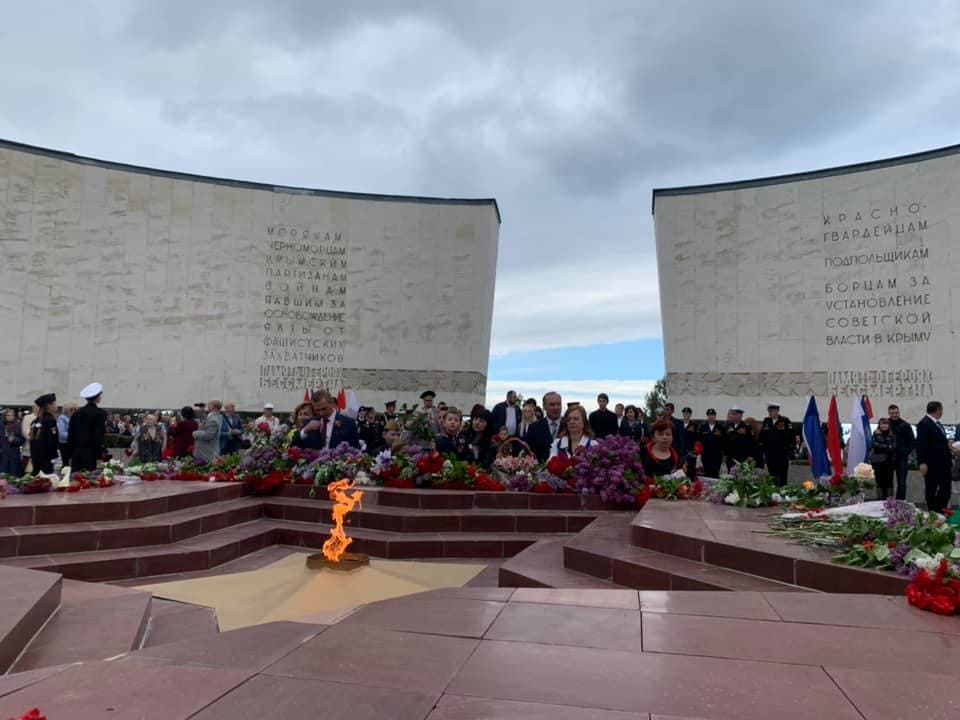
column 655, row 398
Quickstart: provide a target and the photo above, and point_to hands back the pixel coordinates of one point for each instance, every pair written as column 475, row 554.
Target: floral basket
column 506, row 466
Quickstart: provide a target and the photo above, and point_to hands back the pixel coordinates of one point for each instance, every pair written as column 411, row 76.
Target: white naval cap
column 736, row 408
column 268, row 406
column 91, row 391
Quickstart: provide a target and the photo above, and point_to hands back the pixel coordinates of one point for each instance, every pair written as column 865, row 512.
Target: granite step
column 27, row 601
column 159, row 529
column 463, row 499
column 93, row 622
column 172, row 621
column 541, row 566
column 650, row 570
column 220, row 546
column 415, row 520
column 113, row 503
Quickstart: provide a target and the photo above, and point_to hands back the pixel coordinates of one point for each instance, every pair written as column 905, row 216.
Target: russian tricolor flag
column 858, row 449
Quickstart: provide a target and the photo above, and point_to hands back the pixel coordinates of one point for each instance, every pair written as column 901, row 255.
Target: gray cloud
column 568, row 113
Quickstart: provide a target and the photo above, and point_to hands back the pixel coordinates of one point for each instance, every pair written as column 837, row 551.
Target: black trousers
column 936, row 485
column 65, row 454
column 779, row 467
column 711, row 465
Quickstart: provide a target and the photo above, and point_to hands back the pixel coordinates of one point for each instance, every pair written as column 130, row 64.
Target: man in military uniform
column 776, row 441
column 87, row 429
column 390, row 410
column 710, row 436
column 370, row 431
column 44, row 438
column 739, row 443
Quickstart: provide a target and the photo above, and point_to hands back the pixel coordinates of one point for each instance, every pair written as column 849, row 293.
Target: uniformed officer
column 390, row 410
column 44, row 439
column 370, row 431
column 776, row 442
column 710, row 435
column 87, row 429
column 739, row 443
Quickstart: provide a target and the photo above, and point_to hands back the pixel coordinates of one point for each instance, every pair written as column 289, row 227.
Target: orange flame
column 336, row 546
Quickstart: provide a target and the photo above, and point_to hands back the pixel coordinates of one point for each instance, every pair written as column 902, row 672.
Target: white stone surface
column 157, row 285
column 761, row 300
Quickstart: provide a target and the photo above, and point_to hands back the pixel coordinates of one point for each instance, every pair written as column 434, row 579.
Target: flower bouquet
column 676, row 486
column 332, row 464
column 610, row 468
column 416, row 424
column 426, row 468
column 456, row 475
column 745, row 486
column 262, row 435
column 482, row 480
column 936, row 592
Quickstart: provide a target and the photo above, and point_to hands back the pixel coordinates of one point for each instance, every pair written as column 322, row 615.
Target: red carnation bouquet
column 935, row 593
column 34, row 714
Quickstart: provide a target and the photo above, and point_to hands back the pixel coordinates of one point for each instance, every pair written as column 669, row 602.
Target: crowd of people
column 33, row 440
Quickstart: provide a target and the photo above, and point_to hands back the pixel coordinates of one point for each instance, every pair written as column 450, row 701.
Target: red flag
column 342, row 400
column 834, row 448
column 868, row 408
column 306, row 395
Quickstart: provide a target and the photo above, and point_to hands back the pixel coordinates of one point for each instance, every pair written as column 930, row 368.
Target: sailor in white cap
column 88, row 425
column 269, row 418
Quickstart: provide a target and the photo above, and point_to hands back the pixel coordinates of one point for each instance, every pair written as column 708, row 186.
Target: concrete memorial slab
column 839, row 281
column 178, row 288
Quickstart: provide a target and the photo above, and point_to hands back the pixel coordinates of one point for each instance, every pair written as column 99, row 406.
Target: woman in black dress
column 659, row 456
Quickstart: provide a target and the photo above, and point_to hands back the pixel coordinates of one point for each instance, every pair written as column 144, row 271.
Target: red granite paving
column 533, row 654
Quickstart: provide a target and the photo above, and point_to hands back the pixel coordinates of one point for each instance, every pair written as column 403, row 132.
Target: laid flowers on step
column 745, row 486
column 676, row 486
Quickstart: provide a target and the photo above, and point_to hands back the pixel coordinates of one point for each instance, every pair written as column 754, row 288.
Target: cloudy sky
column 569, row 113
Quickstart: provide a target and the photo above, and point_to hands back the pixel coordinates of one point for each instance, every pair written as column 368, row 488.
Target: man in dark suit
column 544, row 431
column 905, row 440
column 679, row 436
column 934, row 458
column 327, row 428
column 507, row 414
column 602, row 421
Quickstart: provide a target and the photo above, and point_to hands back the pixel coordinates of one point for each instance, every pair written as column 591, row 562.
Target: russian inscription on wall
column 847, row 277
column 304, row 309
column 173, row 289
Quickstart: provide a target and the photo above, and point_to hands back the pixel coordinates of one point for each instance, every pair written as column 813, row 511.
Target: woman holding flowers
column 883, row 457
column 659, row 456
column 576, row 437
column 301, row 416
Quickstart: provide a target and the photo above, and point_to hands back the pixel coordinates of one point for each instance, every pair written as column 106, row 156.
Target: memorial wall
column 172, row 289
column 843, row 281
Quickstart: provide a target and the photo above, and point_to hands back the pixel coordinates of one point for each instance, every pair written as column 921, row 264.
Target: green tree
column 656, row 398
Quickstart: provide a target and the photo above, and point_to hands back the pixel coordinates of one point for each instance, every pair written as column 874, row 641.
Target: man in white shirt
column 269, row 418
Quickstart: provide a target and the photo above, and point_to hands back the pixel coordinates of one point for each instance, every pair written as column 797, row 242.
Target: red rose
column 558, row 465
column 697, row 488
column 643, row 496
column 263, row 427
column 430, row 464
column 33, row 715
column 698, row 448
column 401, row 483
column 942, row 605
column 294, row 453
column 543, row 487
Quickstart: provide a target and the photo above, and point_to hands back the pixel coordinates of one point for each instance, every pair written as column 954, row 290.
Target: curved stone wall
column 171, row 288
